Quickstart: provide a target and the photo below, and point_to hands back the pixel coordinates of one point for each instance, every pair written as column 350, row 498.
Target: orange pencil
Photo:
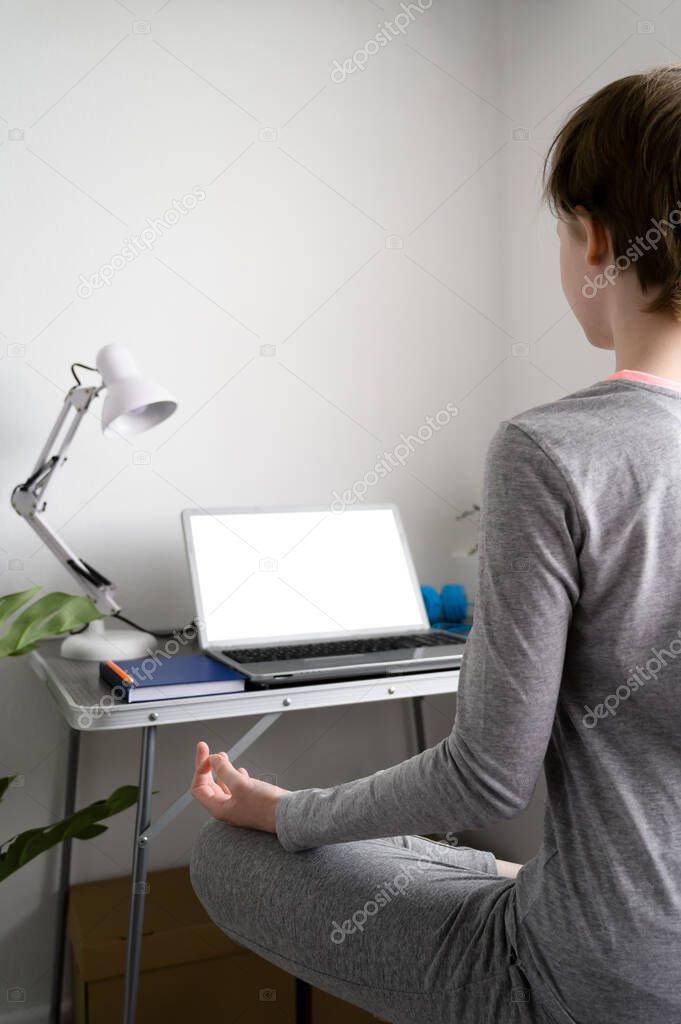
column 117, row 670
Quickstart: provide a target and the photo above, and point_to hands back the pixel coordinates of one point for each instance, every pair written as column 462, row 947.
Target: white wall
column 367, row 251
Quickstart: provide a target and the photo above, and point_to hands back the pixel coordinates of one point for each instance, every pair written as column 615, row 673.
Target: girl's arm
column 487, row 767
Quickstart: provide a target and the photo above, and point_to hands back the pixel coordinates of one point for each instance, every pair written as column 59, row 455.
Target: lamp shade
column 132, row 403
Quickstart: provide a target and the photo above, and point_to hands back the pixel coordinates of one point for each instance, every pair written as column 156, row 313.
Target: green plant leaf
column 90, row 831
column 75, row 611
column 10, row 603
column 5, row 783
column 469, row 512
column 82, row 824
column 50, row 615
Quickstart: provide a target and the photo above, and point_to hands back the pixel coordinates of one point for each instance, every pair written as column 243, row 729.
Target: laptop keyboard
column 366, row 645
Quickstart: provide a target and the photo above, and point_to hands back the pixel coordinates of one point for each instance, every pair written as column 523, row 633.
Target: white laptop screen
column 289, row 575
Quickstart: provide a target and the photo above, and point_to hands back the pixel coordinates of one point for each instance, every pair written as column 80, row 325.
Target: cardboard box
column 326, row 1009
column 189, row 968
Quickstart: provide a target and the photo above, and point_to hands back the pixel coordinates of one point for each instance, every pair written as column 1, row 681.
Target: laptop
column 302, row 595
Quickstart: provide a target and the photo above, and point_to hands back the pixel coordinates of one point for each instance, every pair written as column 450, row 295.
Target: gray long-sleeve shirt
column 573, row 663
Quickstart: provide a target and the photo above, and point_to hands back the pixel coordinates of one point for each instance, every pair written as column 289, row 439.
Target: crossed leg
column 411, row 930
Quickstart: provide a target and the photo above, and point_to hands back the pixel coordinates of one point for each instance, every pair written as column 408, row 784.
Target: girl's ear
column 595, row 235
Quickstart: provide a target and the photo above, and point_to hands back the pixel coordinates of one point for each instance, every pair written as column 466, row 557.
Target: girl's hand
column 235, row 797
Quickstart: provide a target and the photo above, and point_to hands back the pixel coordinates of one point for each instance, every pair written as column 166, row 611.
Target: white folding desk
column 86, row 704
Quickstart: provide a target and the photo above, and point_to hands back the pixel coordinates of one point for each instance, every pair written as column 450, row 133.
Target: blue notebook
column 184, row 675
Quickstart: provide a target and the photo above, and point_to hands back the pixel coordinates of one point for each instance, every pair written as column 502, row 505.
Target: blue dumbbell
column 447, row 609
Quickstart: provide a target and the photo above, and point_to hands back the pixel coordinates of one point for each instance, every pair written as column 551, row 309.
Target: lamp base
column 99, row 643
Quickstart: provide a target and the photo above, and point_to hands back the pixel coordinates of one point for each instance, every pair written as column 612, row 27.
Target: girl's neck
column 650, row 343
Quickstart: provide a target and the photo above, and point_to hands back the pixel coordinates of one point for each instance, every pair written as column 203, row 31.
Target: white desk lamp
column 132, row 404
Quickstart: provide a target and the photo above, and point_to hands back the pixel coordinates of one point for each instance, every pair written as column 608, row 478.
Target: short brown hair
column 619, row 156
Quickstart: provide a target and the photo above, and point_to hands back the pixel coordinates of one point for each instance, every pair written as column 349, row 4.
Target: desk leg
column 302, row 1002
column 417, row 707
column 140, row 856
column 64, row 879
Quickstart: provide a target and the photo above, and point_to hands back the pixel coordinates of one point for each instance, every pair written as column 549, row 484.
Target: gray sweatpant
column 411, row 930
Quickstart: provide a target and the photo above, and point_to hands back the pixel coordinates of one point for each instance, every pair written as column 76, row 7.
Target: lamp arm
column 28, row 499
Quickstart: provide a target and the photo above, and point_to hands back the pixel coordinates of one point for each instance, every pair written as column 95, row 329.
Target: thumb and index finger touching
column 218, row 764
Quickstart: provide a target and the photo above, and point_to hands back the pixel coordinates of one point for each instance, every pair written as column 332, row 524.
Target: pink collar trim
column 646, row 378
